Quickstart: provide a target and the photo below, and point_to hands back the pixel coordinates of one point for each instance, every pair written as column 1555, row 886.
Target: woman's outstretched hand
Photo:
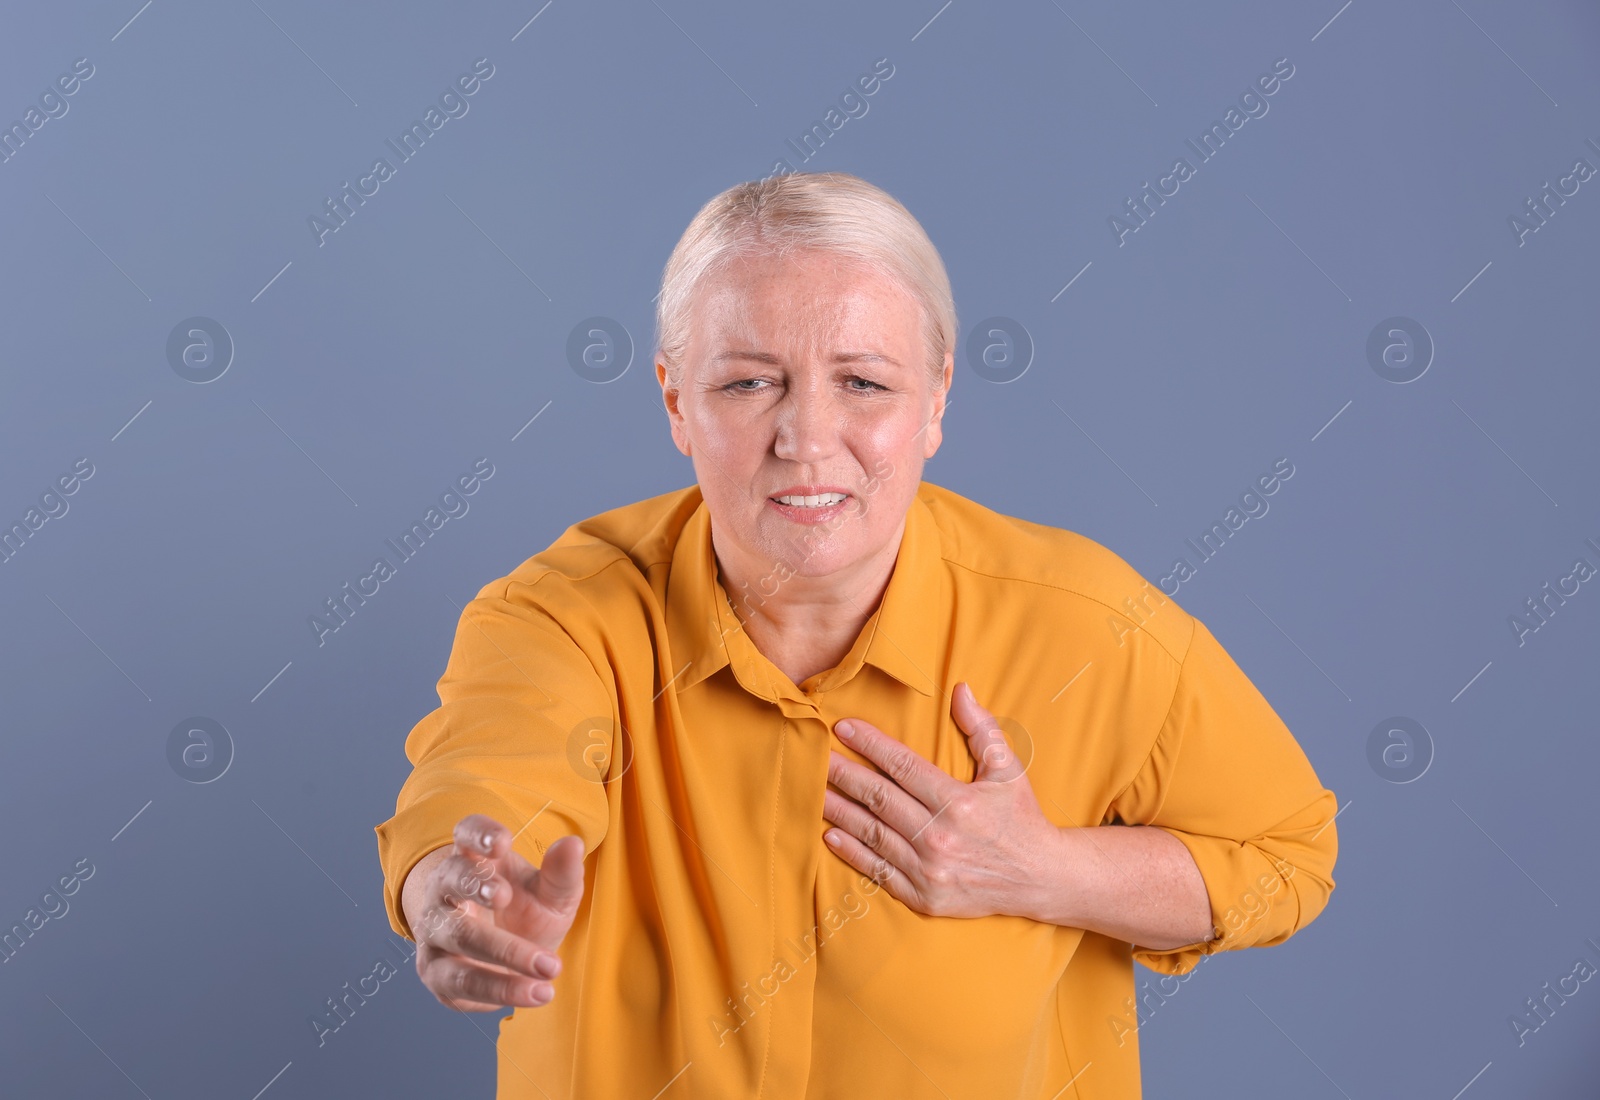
column 491, row 922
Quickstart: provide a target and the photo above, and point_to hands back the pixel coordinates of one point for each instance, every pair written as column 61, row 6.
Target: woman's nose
column 808, row 426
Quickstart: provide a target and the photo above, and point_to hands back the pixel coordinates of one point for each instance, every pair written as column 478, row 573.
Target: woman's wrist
column 1134, row 883
column 1058, row 895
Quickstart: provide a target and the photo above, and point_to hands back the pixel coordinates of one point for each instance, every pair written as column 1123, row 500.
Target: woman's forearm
column 1135, row 883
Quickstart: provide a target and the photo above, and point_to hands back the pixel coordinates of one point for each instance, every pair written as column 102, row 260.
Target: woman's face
column 805, row 375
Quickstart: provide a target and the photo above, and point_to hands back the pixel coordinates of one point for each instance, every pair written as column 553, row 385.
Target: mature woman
column 815, row 779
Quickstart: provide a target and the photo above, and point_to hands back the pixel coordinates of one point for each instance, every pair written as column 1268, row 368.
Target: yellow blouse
column 605, row 688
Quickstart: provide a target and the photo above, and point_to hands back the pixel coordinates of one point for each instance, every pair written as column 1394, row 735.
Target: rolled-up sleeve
column 524, row 719
column 1227, row 778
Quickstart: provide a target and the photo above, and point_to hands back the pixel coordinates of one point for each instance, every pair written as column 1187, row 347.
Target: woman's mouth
column 809, row 509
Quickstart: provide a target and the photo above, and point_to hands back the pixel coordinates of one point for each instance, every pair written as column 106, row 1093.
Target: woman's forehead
column 867, row 337
column 820, row 305
column 811, row 305
column 800, row 271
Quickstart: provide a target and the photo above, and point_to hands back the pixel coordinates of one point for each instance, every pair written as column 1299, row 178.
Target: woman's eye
column 755, row 385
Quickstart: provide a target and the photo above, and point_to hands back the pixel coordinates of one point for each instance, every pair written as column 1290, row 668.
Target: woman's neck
column 806, row 624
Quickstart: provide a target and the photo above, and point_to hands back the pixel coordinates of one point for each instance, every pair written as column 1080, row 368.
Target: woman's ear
column 669, row 398
column 934, row 433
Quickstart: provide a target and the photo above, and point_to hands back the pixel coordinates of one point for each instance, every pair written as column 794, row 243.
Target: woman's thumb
column 560, row 884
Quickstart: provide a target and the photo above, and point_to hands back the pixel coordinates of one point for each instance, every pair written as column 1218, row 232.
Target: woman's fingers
column 456, row 881
column 478, row 937
column 854, row 819
column 482, row 837
column 542, row 903
column 461, row 983
column 558, row 882
column 463, row 957
column 492, row 921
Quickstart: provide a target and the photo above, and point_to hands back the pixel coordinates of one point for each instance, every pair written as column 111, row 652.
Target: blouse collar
column 902, row 637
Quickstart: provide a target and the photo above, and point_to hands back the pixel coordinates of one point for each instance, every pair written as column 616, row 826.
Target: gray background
column 1229, row 332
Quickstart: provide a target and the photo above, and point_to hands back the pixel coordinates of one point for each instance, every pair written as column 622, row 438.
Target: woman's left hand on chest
column 941, row 846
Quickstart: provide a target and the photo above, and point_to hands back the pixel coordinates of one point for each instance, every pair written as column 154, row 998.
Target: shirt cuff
column 1264, row 902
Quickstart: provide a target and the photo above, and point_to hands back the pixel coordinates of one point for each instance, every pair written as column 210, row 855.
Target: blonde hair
column 832, row 211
